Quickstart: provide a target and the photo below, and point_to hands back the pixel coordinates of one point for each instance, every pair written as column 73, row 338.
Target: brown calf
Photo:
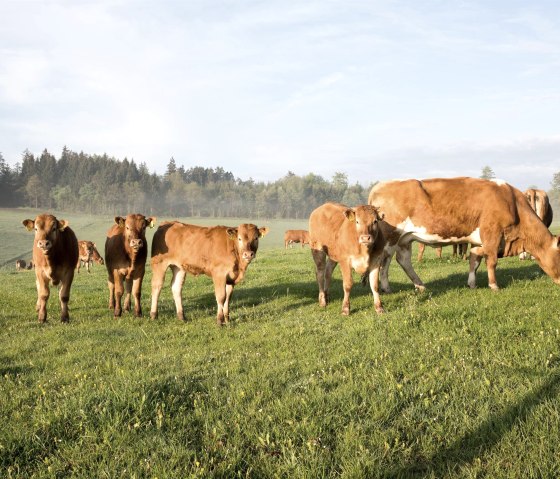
column 220, row 252
column 55, row 252
column 296, row 236
column 20, row 264
column 126, row 251
column 88, row 254
column 352, row 237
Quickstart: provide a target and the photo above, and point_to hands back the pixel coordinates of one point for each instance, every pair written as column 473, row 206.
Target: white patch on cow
column 360, row 263
column 420, row 233
column 499, row 182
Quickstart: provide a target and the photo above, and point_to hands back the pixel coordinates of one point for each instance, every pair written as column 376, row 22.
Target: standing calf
column 352, row 237
column 125, row 258
column 219, row 252
column 55, row 253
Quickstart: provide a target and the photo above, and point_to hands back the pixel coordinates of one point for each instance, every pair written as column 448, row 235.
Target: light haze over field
column 375, row 89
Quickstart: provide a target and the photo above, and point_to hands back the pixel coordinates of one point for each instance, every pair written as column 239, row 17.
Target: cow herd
column 493, row 217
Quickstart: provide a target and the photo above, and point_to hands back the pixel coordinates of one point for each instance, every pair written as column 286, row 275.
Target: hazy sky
column 375, row 89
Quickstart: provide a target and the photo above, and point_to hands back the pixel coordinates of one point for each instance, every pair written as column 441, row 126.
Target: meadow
column 452, row 382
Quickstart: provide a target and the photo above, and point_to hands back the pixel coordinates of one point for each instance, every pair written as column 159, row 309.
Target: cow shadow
column 505, row 277
column 481, row 440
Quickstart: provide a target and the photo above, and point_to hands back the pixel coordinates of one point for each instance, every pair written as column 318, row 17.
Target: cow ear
column 558, row 241
column 62, row 225
column 151, row 221
column 263, row 231
column 350, row 214
column 29, row 224
column 381, row 216
column 120, row 221
column 231, row 232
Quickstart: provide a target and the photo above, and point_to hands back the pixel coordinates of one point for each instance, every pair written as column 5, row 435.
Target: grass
column 450, row 383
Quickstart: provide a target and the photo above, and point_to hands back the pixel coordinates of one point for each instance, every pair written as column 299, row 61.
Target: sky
column 374, row 89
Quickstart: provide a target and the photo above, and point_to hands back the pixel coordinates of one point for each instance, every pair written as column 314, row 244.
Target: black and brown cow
column 126, row 251
column 55, row 253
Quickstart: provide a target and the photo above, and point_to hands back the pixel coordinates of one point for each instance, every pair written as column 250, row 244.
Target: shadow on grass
column 504, row 277
column 481, row 440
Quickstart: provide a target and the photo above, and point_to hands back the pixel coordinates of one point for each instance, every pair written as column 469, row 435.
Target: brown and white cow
column 126, row 251
column 296, row 236
column 491, row 215
column 351, row 237
column 88, row 254
column 221, row 252
column 538, row 199
column 20, row 264
column 55, row 252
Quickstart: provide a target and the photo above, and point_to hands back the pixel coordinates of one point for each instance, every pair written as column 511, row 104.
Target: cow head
column 88, row 248
column 134, row 229
column 96, row 256
column 365, row 219
column 47, row 229
column 246, row 240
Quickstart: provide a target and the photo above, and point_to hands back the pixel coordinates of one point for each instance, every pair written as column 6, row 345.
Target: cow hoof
column 153, row 315
column 420, row 288
column 181, row 317
column 65, row 320
column 346, row 312
column 379, row 310
column 386, row 290
column 494, row 287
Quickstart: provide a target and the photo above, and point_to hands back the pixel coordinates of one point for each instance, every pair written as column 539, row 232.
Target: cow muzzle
column 136, row 244
column 44, row 245
column 366, row 239
column 248, row 256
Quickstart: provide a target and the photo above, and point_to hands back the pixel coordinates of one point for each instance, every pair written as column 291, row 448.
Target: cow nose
column 366, row 239
column 44, row 244
column 248, row 255
column 136, row 243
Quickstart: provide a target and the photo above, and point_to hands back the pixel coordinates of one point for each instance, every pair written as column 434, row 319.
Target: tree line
column 84, row 183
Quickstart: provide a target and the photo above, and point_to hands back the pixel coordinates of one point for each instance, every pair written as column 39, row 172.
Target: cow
column 126, row 251
column 88, row 254
column 30, row 264
column 351, row 237
column 490, row 214
column 220, row 252
column 458, row 250
column 20, row 264
column 538, row 199
column 55, row 253
column 296, row 236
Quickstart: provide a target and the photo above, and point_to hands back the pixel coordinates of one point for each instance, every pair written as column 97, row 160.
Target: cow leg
column 346, row 285
column 385, row 263
column 404, row 255
column 137, row 294
column 177, row 282
column 111, row 285
column 118, row 293
column 320, row 258
column 374, row 285
column 474, row 263
column 438, row 252
column 158, row 276
column 220, row 292
column 43, row 293
column 128, row 291
column 331, row 265
column 421, row 248
column 229, row 292
column 64, row 297
column 87, row 266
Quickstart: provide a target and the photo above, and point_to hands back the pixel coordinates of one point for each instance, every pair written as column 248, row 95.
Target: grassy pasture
column 450, row 383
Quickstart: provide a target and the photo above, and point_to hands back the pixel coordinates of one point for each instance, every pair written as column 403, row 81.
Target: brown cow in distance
column 55, row 253
column 221, row 252
column 296, row 236
column 491, row 215
column 20, row 264
column 353, row 237
column 88, row 254
column 126, row 251
column 458, row 250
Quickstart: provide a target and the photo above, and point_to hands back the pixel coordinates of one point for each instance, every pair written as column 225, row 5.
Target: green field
column 449, row 383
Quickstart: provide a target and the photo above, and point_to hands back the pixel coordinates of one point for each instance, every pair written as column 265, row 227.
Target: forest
column 85, row 183
column 79, row 182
